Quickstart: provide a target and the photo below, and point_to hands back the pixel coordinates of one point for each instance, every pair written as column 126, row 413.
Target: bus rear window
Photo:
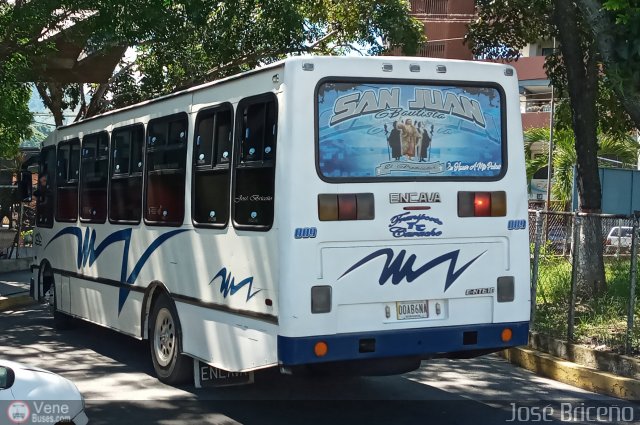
column 389, row 131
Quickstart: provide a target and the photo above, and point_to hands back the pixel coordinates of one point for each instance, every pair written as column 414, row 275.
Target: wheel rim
column 164, row 337
column 49, row 298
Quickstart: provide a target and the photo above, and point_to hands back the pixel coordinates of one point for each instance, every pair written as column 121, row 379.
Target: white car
column 619, row 237
column 33, row 395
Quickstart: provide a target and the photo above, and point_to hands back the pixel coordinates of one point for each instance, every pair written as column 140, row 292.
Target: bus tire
column 170, row 366
column 61, row 321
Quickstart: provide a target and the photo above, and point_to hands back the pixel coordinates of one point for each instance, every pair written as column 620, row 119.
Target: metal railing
column 563, row 306
column 432, row 7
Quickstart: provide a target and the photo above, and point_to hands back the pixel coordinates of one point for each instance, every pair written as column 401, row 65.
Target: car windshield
column 4, row 378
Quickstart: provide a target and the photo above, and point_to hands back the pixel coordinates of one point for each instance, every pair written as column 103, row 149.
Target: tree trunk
column 582, row 72
column 52, row 96
column 603, row 29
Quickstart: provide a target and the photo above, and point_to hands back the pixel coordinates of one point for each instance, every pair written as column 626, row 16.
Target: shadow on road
column 115, row 374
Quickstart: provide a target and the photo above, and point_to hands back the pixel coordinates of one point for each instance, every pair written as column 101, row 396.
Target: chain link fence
column 568, row 305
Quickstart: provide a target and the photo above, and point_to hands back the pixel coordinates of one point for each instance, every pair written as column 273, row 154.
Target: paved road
column 115, row 374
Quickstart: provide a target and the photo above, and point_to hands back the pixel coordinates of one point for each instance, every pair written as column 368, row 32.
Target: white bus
column 319, row 211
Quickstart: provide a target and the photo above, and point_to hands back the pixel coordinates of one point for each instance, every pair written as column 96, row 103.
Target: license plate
column 412, row 309
column 209, row 376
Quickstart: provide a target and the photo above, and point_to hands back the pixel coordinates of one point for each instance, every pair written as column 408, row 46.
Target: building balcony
column 530, row 68
column 453, row 9
column 535, row 120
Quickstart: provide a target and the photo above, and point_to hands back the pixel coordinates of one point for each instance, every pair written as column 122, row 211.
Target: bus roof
column 276, row 65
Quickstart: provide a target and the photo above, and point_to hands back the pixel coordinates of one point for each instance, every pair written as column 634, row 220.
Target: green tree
column 209, row 40
column 15, row 117
column 615, row 24
column 184, row 42
column 622, row 148
column 500, row 31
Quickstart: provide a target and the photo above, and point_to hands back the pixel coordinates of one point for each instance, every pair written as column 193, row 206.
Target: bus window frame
column 145, row 180
column 236, row 151
column 130, row 174
column 211, row 167
column 95, row 159
column 68, row 142
column 51, row 180
column 425, row 82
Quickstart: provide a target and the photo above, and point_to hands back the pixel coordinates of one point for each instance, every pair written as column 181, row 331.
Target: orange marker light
column 506, row 335
column 320, row 349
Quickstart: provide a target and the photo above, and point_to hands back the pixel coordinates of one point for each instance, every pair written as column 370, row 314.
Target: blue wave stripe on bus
column 398, row 270
column 124, row 292
column 88, row 253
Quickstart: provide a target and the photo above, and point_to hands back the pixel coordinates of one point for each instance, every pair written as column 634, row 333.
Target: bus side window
column 211, row 167
column 93, row 177
column 68, row 170
column 45, row 195
column 254, row 175
column 165, row 167
column 125, row 197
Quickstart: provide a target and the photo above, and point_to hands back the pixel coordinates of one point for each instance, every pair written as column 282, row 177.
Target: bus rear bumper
column 421, row 342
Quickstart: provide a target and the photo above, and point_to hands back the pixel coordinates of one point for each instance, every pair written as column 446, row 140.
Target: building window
column 166, row 159
column 125, row 196
column 211, row 166
column 94, row 171
column 68, row 171
column 547, row 51
column 44, row 192
column 254, row 171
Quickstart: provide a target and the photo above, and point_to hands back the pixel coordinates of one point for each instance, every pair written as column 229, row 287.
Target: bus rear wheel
column 61, row 321
column 170, row 366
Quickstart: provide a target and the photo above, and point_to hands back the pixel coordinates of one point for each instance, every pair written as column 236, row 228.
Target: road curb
column 7, row 303
column 574, row 374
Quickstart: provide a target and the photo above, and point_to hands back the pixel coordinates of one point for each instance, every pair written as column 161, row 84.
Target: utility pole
column 550, row 160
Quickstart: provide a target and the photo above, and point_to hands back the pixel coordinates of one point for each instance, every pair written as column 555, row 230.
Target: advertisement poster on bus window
column 407, row 130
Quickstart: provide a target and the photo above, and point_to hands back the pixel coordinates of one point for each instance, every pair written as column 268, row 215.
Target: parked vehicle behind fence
column 619, row 237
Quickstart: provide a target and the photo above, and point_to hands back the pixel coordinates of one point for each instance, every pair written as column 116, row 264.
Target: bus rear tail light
column 346, row 206
column 482, row 204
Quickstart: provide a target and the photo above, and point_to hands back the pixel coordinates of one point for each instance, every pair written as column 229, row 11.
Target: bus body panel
column 232, row 343
column 359, row 298
column 193, row 264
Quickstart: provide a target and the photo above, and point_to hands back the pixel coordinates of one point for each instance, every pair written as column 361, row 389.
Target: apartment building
column 445, row 25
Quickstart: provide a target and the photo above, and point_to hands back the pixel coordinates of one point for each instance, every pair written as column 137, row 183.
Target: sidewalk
column 14, row 289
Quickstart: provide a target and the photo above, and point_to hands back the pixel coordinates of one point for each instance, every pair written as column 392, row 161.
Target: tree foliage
column 503, row 29
column 15, row 117
column 184, row 42
column 621, row 148
column 615, row 25
column 208, row 40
